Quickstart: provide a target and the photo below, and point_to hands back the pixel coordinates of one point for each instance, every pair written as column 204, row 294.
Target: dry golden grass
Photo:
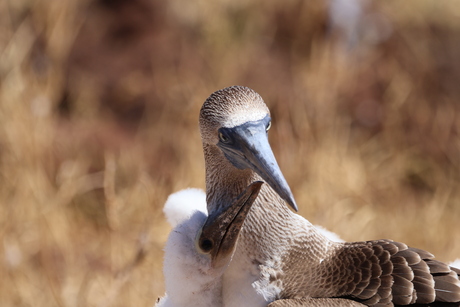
column 99, row 103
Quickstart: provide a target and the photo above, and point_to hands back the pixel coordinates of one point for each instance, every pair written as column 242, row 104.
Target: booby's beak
column 220, row 232
column 246, row 146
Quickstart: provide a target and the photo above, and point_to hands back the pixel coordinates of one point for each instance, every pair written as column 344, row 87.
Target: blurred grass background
column 99, row 103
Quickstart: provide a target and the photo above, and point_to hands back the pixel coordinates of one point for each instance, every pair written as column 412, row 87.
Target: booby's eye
column 223, row 138
column 206, row 245
column 269, row 125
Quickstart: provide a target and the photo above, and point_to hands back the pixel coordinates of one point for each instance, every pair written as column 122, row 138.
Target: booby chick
column 181, row 205
column 200, row 247
column 280, row 255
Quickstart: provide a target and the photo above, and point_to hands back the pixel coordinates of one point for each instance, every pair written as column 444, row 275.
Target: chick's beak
column 219, row 234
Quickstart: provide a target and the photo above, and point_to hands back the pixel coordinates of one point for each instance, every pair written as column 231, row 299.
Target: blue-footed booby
column 282, row 256
column 200, row 247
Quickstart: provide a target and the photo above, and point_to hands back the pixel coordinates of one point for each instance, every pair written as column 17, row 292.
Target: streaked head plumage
column 230, row 107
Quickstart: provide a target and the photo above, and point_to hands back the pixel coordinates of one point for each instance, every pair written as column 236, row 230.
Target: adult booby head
column 200, row 247
column 280, row 255
column 235, row 121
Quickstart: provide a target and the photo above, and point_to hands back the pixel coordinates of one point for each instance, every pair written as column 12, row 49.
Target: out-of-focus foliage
column 99, row 103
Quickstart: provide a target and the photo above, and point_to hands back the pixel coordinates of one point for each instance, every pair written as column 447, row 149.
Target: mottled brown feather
column 403, row 294
column 319, row 302
column 437, row 267
column 391, row 273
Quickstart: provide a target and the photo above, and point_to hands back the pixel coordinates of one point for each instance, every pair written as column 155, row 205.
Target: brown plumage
column 384, row 273
column 317, row 302
column 280, row 255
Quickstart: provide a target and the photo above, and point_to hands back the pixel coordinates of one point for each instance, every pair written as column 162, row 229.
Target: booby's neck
column 224, row 182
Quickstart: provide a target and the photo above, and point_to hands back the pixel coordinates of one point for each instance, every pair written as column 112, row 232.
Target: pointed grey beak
column 246, row 146
column 219, row 234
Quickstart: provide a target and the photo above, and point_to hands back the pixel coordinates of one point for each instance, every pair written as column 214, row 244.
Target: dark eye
column 223, row 138
column 206, row 245
column 268, row 126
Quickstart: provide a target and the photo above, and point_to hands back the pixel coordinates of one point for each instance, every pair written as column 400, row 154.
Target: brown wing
column 315, row 302
column 384, row 272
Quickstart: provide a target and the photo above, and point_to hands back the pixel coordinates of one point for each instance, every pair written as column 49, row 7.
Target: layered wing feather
column 319, row 302
column 383, row 272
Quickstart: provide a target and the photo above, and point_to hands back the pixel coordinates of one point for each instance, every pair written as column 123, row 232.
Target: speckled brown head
column 236, row 121
column 230, row 107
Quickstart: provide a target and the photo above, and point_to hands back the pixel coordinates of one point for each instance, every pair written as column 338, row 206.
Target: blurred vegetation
column 99, row 103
